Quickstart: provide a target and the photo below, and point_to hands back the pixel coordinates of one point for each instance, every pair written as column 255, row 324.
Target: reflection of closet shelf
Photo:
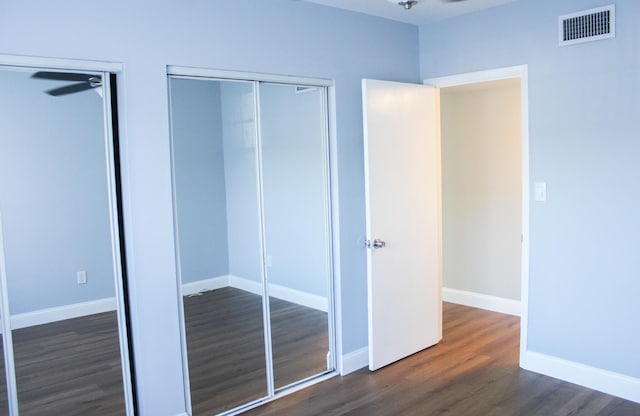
column 277, row 291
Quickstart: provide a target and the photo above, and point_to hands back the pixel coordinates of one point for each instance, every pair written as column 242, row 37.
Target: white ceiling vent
column 587, row 25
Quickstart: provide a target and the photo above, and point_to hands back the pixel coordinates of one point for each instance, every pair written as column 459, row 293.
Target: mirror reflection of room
column 252, row 206
column 60, row 263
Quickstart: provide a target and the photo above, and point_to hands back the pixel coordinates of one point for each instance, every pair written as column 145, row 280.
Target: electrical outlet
column 82, row 277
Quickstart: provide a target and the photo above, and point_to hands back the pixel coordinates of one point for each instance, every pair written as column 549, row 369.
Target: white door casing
column 403, row 209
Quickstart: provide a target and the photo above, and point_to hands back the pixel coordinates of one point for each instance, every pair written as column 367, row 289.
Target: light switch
column 540, row 189
column 82, row 277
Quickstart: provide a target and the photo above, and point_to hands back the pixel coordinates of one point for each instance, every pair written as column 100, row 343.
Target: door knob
column 377, row 243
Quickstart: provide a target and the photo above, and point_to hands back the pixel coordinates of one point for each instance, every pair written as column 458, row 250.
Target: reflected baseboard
column 298, row 297
column 204, row 285
column 77, row 310
column 59, row 313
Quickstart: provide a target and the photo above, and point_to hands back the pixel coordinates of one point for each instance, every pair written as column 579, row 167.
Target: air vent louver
column 587, row 25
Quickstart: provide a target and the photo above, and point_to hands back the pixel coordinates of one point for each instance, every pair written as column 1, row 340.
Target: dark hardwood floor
column 473, row 371
column 225, row 344
column 70, row 368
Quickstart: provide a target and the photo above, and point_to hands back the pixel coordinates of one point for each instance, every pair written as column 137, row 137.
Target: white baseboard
column 299, row 297
column 281, row 292
column 245, row 284
column 605, row 381
column 191, row 288
column 477, row 300
column 75, row 310
column 353, row 361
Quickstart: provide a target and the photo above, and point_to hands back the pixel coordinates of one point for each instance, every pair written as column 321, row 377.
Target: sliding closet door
column 219, row 241
column 293, row 131
column 4, row 398
column 61, row 244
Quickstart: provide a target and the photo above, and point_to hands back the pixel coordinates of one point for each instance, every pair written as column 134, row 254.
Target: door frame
column 521, row 72
column 110, row 72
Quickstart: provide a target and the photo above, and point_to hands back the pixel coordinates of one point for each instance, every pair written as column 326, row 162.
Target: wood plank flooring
column 72, row 367
column 226, row 352
column 472, row 372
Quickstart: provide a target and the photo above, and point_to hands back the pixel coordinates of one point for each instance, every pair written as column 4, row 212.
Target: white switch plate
column 269, row 262
column 540, row 191
column 82, row 277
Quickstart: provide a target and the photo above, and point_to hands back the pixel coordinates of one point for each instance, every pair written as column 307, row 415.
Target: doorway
column 416, row 177
column 481, row 194
column 503, row 203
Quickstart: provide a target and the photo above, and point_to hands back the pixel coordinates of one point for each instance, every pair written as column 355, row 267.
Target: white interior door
column 402, row 177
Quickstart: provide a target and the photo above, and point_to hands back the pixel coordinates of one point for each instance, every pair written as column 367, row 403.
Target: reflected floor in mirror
column 225, row 342
column 69, row 367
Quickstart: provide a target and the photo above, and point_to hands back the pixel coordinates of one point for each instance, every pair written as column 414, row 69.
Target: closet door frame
column 108, row 71
column 331, row 195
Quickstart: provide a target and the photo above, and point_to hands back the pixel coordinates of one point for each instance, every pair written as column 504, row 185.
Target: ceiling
column 426, row 11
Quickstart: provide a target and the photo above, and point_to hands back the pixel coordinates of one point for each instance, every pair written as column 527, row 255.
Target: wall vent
column 587, row 25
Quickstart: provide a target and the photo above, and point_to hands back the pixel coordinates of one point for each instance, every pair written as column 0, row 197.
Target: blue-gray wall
column 200, row 190
column 583, row 105
column 295, row 200
column 53, row 195
column 275, row 36
column 243, row 214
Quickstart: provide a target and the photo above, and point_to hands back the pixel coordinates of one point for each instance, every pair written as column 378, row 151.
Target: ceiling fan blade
column 64, row 76
column 70, row 89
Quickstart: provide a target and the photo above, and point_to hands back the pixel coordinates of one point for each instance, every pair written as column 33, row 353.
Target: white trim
column 479, row 76
column 299, row 297
column 192, row 72
column 281, row 292
column 60, row 313
column 58, row 63
column 522, row 72
column 245, row 284
column 616, row 384
column 7, row 338
column 478, row 300
column 76, row 310
column 354, row 360
column 204, row 285
column 183, row 414
column 335, row 302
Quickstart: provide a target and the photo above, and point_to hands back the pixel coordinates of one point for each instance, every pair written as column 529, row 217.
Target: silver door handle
column 377, row 243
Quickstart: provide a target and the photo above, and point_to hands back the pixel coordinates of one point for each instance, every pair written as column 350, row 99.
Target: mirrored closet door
column 251, row 192
column 64, row 335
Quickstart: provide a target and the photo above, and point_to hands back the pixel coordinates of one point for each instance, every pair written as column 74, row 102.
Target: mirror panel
column 296, row 221
column 61, row 279
column 219, row 241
